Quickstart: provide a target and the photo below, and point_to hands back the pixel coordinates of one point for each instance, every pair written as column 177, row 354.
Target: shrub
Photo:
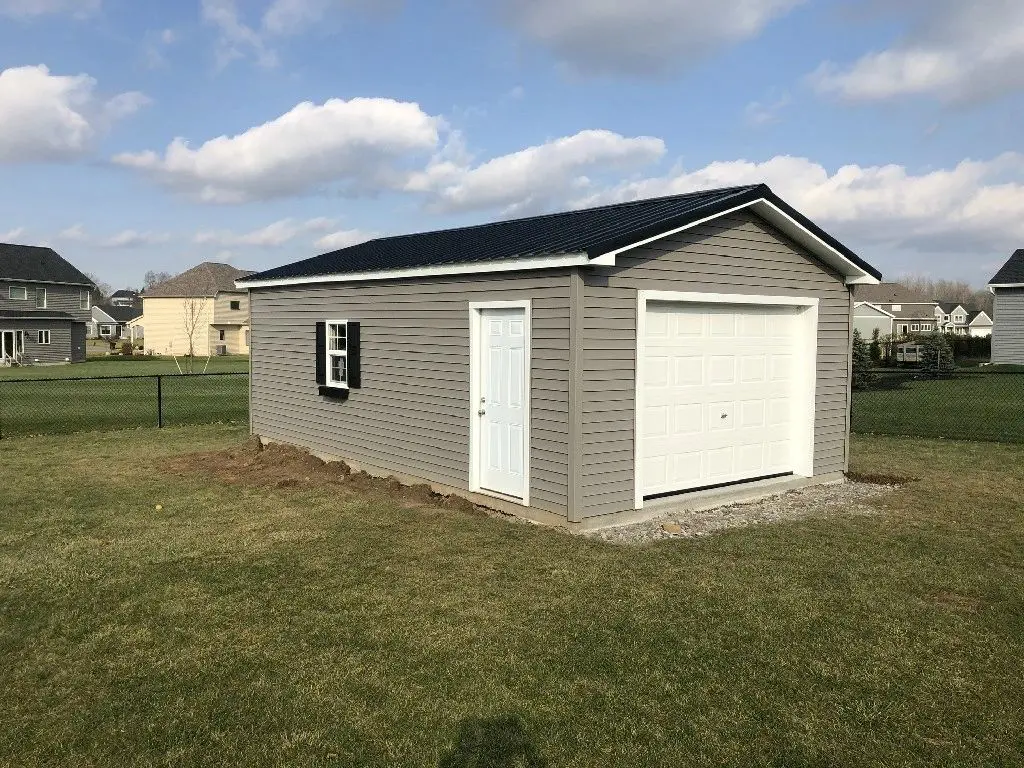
column 936, row 357
column 863, row 375
column 127, row 349
column 876, row 346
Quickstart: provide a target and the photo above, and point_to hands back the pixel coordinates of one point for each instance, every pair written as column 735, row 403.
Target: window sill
column 335, row 393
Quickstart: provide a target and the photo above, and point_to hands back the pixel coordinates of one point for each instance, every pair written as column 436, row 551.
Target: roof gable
column 891, row 293
column 204, row 280
column 1012, row 272
column 36, row 264
column 118, row 314
column 581, row 237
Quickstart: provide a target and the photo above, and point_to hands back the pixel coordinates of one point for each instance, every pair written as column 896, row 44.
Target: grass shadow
column 495, row 742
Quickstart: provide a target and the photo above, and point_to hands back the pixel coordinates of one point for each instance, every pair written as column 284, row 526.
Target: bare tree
column 956, row 291
column 103, row 290
column 153, row 278
column 193, row 321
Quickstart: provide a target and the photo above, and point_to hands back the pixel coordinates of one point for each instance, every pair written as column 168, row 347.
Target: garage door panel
column 718, row 394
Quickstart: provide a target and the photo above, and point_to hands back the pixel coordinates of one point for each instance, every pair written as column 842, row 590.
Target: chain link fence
column 61, row 406
column 968, row 404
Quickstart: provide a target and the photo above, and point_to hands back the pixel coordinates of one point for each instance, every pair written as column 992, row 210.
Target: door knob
column 481, row 412
column 725, row 416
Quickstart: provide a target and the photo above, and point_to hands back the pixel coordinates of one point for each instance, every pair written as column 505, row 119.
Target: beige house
column 199, row 311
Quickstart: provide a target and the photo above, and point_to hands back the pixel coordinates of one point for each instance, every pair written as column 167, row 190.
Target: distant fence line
column 61, row 406
column 969, row 404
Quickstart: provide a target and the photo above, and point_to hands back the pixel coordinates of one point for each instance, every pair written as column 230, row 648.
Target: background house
column 126, row 298
column 959, row 320
column 576, row 367
column 111, row 321
column 912, row 312
column 202, row 302
column 868, row 318
column 1008, row 323
column 44, row 306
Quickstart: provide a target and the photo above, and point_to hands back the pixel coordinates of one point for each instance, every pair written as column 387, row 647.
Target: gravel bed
column 849, row 498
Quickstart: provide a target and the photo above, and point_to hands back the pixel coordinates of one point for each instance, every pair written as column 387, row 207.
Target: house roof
column 1012, row 272
column 592, row 232
column 124, row 293
column 873, row 307
column 119, row 314
column 33, row 314
column 890, row 293
column 204, row 280
column 33, row 263
column 949, row 307
column 975, row 314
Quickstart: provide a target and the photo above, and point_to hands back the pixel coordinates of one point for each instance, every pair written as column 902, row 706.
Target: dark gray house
column 44, row 306
column 579, row 368
column 1008, row 323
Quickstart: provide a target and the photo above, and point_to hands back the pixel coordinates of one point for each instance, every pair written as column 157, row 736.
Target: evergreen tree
column 863, row 375
column 876, row 346
column 936, row 357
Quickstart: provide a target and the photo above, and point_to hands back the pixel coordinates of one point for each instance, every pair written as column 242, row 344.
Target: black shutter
column 321, row 353
column 354, row 377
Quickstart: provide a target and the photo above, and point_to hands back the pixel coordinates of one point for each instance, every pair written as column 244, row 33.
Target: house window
column 903, row 328
column 926, row 326
column 106, row 330
column 897, row 307
column 41, row 298
column 236, row 305
column 18, row 293
column 915, row 327
column 43, row 337
column 220, row 335
column 83, row 300
column 337, row 355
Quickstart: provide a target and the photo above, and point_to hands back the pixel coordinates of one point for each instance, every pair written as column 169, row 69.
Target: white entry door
column 720, row 394
column 502, row 403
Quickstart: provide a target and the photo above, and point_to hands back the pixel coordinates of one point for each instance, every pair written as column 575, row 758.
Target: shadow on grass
column 496, row 742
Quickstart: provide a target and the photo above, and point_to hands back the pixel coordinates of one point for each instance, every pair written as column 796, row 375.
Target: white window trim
column 803, row 464
column 327, row 355
column 109, row 326
column 84, row 299
column 915, row 327
column 13, row 288
column 476, row 309
column 39, row 338
column 45, row 297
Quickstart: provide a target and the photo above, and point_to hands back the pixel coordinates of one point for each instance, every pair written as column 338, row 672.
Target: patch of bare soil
column 280, row 466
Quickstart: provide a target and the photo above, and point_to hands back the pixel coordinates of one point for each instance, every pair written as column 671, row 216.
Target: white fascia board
column 873, row 306
column 468, row 268
column 109, row 319
column 852, row 274
column 992, row 286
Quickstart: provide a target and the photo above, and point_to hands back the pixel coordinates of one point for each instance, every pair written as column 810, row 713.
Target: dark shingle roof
column 204, row 280
column 33, row 314
column 594, row 231
column 890, row 293
column 1012, row 271
column 949, row 306
column 124, row 293
column 120, row 314
column 34, row 263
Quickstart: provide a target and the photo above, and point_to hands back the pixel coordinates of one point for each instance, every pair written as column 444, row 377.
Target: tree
column 876, row 346
column 193, row 321
column 103, row 290
column 153, row 278
column 936, row 357
column 864, row 376
column 956, row 291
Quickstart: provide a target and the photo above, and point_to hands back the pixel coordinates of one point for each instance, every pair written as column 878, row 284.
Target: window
column 40, row 298
column 18, row 293
column 337, row 355
column 945, row 318
column 220, row 335
column 43, row 337
column 83, row 300
column 915, row 327
column 236, row 305
column 926, row 326
column 897, row 307
column 106, row 330
column 903, row 328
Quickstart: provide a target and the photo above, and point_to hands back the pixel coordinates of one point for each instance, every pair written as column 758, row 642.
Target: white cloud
column 271, row 236
column 128, row 238
column 155, row 46
column 237, row 39
column 12, row 235
column 531, row 179
column 334, row 241
column 640, row 37
column 359, row 146
column 955, row 51
column 25, row 9
column 974, row 206
column 48, row 118
column 759, row 113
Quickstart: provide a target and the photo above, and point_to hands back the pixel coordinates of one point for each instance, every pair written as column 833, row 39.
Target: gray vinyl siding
column 59, row 298
column 411, row 415
column 1008, row 331
column 67, row 339
column 735, row 254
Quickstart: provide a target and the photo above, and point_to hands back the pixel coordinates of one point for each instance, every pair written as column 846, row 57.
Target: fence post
column 159, row 402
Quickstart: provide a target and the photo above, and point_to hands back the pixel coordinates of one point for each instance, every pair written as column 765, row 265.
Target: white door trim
column 475, row 370
column 804, row 454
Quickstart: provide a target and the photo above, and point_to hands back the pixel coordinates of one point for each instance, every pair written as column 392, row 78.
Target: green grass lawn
column 60, row 405
column 126, row 366
column 313, row 625
column 972, row 406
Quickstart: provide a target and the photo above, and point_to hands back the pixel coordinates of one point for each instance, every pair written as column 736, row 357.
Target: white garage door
column 720, row 394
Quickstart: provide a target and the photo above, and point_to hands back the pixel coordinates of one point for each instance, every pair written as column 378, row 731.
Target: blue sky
column 152, row 135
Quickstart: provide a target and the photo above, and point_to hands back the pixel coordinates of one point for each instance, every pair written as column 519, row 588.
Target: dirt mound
column 283, row 466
